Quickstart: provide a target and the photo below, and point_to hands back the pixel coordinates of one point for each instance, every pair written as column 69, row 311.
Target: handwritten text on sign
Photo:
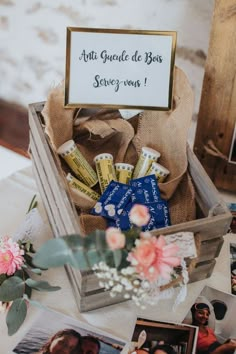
column 121, row 68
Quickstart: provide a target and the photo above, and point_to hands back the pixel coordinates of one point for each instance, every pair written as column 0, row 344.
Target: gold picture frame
column 81, row 83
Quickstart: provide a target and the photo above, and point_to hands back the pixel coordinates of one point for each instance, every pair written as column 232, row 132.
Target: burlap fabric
column 106, row 131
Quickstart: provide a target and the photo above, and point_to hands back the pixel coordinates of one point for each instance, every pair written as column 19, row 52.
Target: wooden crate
column 212, row 223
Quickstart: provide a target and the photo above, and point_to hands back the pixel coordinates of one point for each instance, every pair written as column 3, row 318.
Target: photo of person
column 233, row 267
column 154, row 337
column 65, row 341
column 213, row 313
column 55, row 333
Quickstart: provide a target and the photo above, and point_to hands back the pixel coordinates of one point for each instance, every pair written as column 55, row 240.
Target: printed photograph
column 232, row 208
column 54, row 333
column 156, row 337
column 213, row 312
column 233, row 267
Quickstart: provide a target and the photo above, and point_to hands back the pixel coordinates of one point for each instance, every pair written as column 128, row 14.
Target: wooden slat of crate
column 202, row 270
column 48, row 162
column 82, row 281
column 57, row 227
column 73, row 275
column 85, row 285
column 100, row 298
column 210, row 249
column 59, row 205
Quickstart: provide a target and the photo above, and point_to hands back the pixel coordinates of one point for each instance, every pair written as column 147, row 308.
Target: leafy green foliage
column 11, row 289
column 22, row 273
column 18, row 286
column 41, row 285
column 33, row 204
column 79, row 252
column 2, row 278
column 16, row 315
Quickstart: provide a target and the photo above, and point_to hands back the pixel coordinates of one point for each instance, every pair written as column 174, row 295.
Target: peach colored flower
column 139, row 215
column 10, row 256
column 145, row 253
column 115, row 239
column 153, row 258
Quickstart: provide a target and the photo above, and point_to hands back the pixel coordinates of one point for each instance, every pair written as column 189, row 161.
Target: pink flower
column 10, row 256
column 153, row 258
column 115, row 239
column 139, row 215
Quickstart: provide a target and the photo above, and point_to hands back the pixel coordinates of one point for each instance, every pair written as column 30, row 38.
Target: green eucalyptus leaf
column 130, row 242
column 123, row 263
column 41, row 285
column 69, row 249
column 95, row 246
column 2, row 278
column 28, row 259
column 11, row 289
column 117, row 254
column 28, row 290
column 33, row 204
column 19, row 273
column 108, row 258
column 77, row 251
column 96, row 239
column 16, row 315
column 27, row 246
column 93, row 257
column 53, row 253
column 37, row 304
column 73, row 241
column 36, row 271
column 81, row 260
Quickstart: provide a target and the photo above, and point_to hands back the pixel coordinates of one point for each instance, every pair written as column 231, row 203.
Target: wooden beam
column 217, row 113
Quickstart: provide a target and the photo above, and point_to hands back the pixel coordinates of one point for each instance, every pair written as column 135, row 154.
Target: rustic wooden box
column 213, row 216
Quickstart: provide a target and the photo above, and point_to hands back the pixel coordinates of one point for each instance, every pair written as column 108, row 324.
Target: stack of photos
column 163, row 337
column 233, row 267
column 54, row 333
column 232, row 208
column 213, row 312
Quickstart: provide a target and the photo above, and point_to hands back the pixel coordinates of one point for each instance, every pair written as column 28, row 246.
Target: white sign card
column 119, row 68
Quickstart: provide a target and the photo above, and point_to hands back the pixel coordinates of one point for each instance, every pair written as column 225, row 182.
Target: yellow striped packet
column 80, row 187
column 159, row 171
column 105, row 170
column 77, row 162
column 145, row 160
column 124, row 172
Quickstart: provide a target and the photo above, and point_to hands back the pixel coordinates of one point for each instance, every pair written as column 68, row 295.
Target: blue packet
column 160, row 216
column 121, row 221
column 113, row 201
column 146, row 190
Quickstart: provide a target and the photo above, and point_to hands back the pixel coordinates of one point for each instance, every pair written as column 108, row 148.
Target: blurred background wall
column 33, row 40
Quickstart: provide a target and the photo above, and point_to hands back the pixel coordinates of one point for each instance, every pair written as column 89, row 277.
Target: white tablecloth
column 16, row 193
